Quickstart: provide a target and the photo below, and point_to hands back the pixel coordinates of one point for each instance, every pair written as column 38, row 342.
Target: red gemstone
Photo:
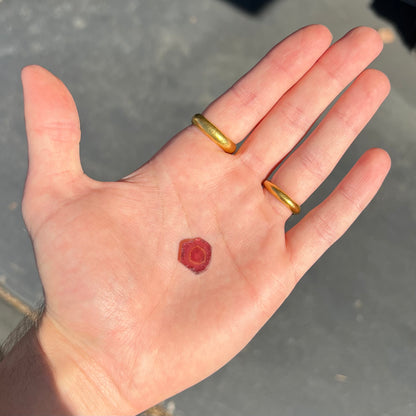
column 195, row 254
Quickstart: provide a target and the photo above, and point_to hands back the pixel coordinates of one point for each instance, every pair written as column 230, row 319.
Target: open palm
column 133, row 318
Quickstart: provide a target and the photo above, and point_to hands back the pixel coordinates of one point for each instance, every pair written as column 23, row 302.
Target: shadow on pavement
column 250, row 6
column 402, row 13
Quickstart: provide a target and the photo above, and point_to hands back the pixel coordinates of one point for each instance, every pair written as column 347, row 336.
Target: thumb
column 52, row 125
column 53, row 134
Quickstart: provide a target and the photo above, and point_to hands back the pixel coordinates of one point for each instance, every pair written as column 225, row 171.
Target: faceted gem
column 195, row 254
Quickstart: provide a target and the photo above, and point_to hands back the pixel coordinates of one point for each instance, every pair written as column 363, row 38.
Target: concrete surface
column 344, row 343
column 9, row 318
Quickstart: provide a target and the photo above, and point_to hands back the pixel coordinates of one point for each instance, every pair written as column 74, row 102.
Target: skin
column 126, row 325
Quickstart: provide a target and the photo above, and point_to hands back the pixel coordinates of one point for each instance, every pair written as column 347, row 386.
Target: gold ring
column 281, row 196
column 213, row 133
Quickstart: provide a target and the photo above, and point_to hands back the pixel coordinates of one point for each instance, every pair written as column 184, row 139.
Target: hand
column 125, row 322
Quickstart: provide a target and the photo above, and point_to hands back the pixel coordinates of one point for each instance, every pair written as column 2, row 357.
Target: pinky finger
column 325, row 224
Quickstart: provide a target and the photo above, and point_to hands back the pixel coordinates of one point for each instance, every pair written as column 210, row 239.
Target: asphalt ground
column 344, row 343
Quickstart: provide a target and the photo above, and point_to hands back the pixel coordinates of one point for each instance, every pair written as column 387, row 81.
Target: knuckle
column 347, row 121
column 349, row 193
column 295, row 116
column 331, row 74
column 59, row 131
column 245, row 96
column 313, row 163
column 325, row 229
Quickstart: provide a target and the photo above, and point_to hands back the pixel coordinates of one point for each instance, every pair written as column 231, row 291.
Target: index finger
column 239, row 109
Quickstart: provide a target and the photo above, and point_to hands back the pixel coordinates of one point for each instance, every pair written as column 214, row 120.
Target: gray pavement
column 9, row 318
column 344, row 343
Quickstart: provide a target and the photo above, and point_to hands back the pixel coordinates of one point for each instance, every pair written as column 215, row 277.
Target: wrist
column 81, row 384
column 45, row 374
column 26, row 383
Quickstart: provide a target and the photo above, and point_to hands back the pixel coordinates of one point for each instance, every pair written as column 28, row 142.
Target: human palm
column 108, row 252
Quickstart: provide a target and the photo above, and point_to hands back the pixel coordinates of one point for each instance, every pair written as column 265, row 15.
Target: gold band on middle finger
column 214, row 133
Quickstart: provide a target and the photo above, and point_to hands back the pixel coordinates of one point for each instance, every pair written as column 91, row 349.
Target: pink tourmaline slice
column 195, row 254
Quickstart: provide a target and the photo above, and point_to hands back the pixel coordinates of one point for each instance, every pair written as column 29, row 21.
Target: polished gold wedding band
column 282, row 197
column 214, row 133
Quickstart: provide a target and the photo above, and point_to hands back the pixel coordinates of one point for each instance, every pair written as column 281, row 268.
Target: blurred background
column 344, row 343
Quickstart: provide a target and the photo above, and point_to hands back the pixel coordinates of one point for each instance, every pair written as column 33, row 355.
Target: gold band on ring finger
column 282, row 197
column 213, row 133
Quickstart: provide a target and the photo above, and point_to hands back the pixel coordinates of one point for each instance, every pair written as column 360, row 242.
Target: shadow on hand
column 30, row 387
column 402, row 13
column 250, row 6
